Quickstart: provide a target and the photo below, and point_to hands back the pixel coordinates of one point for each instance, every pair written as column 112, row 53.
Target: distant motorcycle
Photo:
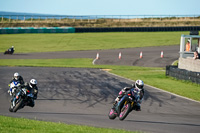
column 8, row 52
column 126, row 104
column 21, row 99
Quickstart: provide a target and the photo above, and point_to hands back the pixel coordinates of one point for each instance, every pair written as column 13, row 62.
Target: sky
column 103, row 7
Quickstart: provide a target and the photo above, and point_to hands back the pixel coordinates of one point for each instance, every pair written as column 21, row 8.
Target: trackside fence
column 17, row 30
column 138, row 29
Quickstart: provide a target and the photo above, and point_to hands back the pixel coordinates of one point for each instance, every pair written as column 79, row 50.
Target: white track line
column 93, row 62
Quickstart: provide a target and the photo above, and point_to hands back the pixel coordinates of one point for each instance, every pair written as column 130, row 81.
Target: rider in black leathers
column 139, row 84
column 31, row 87
column 10, row 50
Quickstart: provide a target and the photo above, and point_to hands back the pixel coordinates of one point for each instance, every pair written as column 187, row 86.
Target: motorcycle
column 8, row 52
column 21, row 99
column 126, row 104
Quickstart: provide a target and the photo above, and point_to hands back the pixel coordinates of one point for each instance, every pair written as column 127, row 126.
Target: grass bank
column 152, row 76
column 26, row 43
column 14, row 125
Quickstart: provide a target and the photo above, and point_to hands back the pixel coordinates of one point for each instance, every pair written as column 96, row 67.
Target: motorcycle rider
column 139, row 84
column 31, row 87
column 16, row 78
column 12, row 49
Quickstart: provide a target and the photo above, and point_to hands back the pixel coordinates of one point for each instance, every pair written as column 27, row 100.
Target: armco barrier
column 17, row 30
column 183, row 74
column 138, row 29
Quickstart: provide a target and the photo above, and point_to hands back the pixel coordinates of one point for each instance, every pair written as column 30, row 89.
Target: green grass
column 151, row 76
column 82, row 63
column 25, row 43
column 21, row 125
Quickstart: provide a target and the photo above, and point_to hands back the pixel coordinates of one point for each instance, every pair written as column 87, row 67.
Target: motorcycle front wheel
column 18, row 105
column 11, row 109
column 124, row 111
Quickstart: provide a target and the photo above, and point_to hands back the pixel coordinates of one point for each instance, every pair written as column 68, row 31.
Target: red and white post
column 97, row 57
column 161, row 54
column 140, row 54
column 120, row 55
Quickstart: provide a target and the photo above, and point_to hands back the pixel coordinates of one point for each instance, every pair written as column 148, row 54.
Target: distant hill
column 36, row 15
column 27, row 14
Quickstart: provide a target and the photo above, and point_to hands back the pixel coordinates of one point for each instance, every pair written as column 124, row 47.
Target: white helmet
column 139, row 84
column 12, row 46
column 16, row 76
column 33, row 83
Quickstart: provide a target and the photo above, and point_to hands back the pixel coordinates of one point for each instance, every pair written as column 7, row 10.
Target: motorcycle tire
column 112, row 114
column 18, row 105
column 10, row 109
column 124, row 111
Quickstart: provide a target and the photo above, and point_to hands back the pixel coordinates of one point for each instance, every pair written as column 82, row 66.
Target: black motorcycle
column 126, row 104
column 9, row 51
column 21, row 99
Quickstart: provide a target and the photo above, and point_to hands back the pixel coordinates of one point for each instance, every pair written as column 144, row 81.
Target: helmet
column 16, row 76
column 12, row 46
column 139, row 84
column 33, row 83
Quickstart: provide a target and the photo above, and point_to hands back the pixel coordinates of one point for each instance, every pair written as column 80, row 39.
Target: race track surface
column 85, row 96
column 151, row 56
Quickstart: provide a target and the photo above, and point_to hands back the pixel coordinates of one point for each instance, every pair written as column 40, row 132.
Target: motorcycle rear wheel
column 112, row 114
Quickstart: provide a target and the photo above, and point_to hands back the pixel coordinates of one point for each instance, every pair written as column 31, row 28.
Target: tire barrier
column 138, row 29
column 17, row 30
column 182, row 74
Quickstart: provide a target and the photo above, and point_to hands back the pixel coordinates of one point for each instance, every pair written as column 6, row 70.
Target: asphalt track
column 84, row 97
column 151, row 56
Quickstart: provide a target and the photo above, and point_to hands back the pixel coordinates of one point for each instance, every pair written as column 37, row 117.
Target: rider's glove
column 117, row 99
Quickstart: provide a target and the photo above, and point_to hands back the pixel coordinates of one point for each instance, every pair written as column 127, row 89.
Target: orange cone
column 97, row 57
column 120, row 55
column 161, row 54
column 141, row 54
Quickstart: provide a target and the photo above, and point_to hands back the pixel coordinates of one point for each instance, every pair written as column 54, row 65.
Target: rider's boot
column 138, row 107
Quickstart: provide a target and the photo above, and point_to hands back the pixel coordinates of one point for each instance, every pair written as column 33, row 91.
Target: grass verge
column 152, row 76
column 15, row 125
column 27, row 43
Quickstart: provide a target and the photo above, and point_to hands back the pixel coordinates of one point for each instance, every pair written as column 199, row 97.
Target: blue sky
column 103, row 7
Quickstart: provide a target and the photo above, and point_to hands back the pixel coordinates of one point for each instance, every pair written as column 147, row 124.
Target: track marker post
column 140, row 54
column 97, row 57
column 161, row 54
column 120, row 55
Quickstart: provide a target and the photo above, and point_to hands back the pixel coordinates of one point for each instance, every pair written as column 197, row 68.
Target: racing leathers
column 19, row 81
column 139, row 97
column 34, row 91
